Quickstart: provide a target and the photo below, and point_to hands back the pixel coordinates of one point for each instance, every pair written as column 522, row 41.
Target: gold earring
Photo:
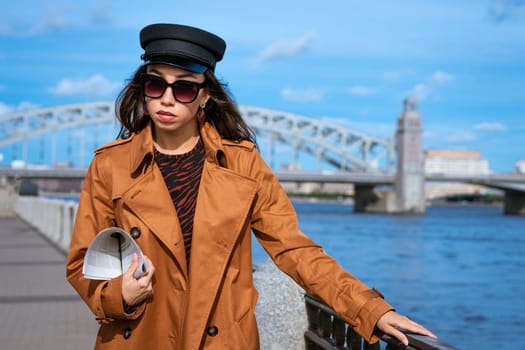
column 202, row 105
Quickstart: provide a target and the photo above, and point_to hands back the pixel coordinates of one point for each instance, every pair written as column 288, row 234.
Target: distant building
column 455, row 162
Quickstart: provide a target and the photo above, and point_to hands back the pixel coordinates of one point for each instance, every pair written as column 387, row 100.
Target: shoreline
column 430, row 203
column 348, row 201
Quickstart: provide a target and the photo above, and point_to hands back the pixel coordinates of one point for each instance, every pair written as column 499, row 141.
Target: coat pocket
column 247, row 330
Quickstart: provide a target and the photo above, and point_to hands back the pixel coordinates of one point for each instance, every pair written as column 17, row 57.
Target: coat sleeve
column 95, row 212
column 275, row 225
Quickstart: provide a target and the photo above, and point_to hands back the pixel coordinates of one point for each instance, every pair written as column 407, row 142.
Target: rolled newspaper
column 110, row 254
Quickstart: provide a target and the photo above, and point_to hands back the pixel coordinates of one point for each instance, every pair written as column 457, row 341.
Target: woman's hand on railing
column 391, row 323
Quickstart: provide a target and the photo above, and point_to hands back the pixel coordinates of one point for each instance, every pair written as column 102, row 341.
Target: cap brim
column 189, row 66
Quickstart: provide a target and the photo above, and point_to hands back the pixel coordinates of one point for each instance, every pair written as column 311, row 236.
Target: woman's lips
column 165, row 116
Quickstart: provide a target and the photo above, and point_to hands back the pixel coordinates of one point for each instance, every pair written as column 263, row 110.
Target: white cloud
column 51, row 16
column 49, row 24
column 364, row 112
column 100, row 12
column 420, row 91
column 6, row 29
column 53, row 23
column 307, row 95
column 26, row 106
column 95, row 86
column 40, row 18
column 362, row 90
column 5, row 109
column 440, row 78
column 461, row 136
column 423, row 90
column 284, row 48
column 23, row 106
column 502, row 10
column 397, row 74
column 490, row 126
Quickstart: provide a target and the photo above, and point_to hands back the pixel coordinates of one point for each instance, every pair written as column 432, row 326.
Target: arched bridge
column 336, row 146
column 69, row 134
column 343, row 148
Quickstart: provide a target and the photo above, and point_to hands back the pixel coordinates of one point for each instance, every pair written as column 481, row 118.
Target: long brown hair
column 221, row 110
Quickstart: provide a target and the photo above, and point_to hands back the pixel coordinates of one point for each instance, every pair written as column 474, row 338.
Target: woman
column 187, row 182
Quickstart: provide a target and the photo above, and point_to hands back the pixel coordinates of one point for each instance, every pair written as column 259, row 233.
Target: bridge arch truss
column 341, row 147
column 330, row 144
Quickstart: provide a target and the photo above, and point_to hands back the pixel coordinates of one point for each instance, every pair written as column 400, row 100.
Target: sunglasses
column 184, row 91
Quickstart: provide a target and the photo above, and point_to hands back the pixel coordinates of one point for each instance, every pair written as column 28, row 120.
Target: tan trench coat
column 212, row 305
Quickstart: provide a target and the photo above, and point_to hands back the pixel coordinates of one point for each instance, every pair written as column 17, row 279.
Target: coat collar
column 142, row 146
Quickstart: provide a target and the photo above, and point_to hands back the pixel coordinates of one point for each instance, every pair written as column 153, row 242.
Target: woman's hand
column 135, row 291
column 391, row 322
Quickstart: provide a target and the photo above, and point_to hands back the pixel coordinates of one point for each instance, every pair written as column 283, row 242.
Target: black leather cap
column 182, row 46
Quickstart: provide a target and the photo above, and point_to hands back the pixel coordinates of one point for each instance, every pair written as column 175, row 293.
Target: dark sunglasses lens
column 185, row 91
column 154, row 87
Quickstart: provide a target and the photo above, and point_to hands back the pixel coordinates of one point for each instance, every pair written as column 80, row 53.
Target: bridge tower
column 410, row 176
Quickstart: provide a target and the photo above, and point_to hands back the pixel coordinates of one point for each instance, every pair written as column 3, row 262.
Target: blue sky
column 350, row 61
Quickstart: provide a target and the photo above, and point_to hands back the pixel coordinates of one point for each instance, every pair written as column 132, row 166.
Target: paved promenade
column 38, row 307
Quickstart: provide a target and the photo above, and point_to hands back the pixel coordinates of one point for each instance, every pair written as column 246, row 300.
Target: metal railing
column 328, row 331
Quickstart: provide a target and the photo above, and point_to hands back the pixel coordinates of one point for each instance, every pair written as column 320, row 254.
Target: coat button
column 126, row 332
column 212, row 331
column 135, row 232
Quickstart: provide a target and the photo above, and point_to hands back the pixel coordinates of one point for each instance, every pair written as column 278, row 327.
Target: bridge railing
column 52, row 217
column 328, row 331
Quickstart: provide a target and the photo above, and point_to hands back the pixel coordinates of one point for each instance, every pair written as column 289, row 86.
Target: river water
column 458, row 270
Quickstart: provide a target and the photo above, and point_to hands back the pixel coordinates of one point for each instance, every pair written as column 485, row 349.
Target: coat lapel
column 224, row 202
column 149, row 199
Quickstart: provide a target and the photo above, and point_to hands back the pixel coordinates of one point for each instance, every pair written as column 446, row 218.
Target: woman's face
column 168, row 113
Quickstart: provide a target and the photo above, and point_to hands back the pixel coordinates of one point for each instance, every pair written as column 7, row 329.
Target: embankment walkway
column 38, row 307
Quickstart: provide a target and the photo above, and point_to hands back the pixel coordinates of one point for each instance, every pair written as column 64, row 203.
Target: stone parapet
column 280, row 311
column 7, row 198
